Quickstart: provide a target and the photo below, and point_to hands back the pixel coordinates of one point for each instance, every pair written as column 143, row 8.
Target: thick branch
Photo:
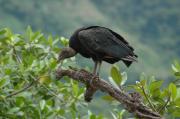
column 132, row 102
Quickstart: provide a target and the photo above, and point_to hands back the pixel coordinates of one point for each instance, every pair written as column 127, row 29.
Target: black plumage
column 102, row 44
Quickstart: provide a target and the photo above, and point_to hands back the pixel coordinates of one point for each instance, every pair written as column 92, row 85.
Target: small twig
column 161, row 108
column 147, row 98
column 52, row 92
column 21, row 90
column 16, row 55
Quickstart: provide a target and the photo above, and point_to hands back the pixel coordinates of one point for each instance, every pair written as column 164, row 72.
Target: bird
column 100, row 44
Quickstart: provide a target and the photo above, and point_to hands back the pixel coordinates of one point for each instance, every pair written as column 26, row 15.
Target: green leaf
column 4, row 81
column 20, row 101
column 177, row 64
column 93, row 116
column 173, row 90
column 176, row 112
column 178, row 91
column 124, row 78
column 14, row 110
column 55, row 41
column 142, row 76
column 42, row 104
column 64, row 41
column 108, row 98
column 114, row 116
column 174, row 68
column 53, row 63
column 8, row 71
column 99, row 117
column 143, row 82
column 29, row 33
column 38, row 38
column 4, row 40
column 44, row 79
column 50, row 40
column 155, row 85
column 116, row 75
column 177, row 73
column 177, row 102
column 2, row 31
column 121, row 113
column 75, row 89
column 61, row 111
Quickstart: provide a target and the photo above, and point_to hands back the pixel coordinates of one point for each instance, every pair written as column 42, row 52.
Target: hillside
column 152, row 27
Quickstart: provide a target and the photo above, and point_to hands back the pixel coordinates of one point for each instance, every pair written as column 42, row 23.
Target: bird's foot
column 93, row 81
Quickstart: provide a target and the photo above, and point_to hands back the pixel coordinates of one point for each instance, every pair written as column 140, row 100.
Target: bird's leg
column 98, row 67
column 96, row 63
column 95, row 71
column 90, row 88
column 95, row 67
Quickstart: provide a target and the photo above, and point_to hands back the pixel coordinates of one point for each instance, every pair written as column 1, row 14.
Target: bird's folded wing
column 102, row 41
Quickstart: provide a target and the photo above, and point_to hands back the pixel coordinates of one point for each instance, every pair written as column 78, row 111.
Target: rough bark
column 131, row 102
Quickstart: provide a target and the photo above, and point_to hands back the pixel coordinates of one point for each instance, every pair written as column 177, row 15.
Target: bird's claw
column 93, row 80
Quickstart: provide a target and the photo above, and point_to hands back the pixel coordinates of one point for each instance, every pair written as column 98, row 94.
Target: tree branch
column 21, row 90
column 131, row 102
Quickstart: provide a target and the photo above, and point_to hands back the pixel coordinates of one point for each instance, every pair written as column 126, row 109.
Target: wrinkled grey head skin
column 66, row 53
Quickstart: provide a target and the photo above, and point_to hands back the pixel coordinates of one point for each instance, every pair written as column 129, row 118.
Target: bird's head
column 66, row 53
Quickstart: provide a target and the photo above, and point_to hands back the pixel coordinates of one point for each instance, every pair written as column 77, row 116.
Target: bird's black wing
column 100, row 40
column 121, row 39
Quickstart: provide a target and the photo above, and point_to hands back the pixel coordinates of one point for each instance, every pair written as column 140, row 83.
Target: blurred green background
column 151, row 27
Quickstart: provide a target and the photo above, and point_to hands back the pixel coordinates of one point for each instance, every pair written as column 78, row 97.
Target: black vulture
column 100, row 44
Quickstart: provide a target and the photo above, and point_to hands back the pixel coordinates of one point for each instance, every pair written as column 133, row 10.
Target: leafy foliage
column 164, row 100
column 28, row 88
column 28, row 61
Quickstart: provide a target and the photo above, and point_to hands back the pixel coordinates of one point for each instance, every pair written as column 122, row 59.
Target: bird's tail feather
column 130, row 58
